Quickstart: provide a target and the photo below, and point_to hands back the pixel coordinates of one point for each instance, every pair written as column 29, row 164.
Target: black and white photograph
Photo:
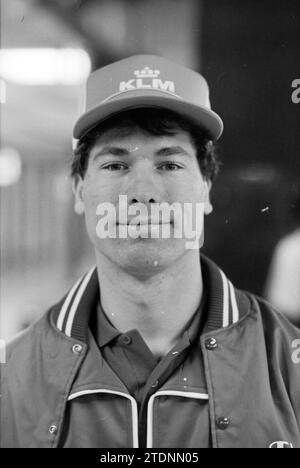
column 149, row 226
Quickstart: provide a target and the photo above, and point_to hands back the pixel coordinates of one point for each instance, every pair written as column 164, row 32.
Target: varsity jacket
column 251, row 367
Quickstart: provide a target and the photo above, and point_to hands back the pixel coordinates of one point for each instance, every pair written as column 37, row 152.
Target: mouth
column 145, row 222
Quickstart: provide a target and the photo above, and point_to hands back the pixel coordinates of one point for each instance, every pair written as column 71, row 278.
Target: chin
column 144, row 257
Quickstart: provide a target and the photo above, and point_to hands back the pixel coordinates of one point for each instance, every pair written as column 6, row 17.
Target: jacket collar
column 225, row 304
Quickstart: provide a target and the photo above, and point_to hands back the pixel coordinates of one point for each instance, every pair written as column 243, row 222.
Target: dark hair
column 153, row 121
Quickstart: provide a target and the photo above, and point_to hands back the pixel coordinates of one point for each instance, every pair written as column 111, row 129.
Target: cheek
column 95, row 193
column 191, row 190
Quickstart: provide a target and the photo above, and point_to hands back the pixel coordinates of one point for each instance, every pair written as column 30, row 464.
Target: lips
column 142, row 222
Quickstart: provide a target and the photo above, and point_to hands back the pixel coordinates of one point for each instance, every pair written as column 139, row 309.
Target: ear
column 77, row 187
column 208, row 208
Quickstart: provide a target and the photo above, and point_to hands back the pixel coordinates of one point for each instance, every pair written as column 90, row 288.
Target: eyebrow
column 120, row 151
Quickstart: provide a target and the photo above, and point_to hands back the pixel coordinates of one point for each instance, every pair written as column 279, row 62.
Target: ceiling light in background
column 45, row 66
column 10, row 166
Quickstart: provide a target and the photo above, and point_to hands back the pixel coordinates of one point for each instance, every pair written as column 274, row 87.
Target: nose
column 145, row 199
column 144, row 187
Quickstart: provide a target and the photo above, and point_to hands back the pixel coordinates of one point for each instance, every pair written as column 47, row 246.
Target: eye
column 115, row 167
column 170, row 166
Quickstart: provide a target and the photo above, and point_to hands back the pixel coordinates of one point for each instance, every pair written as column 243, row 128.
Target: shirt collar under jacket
column 105, row 332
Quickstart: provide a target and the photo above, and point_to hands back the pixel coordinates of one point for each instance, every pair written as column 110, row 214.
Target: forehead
column 127, row 136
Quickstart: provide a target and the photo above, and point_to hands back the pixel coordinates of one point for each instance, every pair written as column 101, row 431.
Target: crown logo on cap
column 147, row 72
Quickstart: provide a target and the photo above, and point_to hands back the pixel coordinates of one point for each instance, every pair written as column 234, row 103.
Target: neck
column 160, row 307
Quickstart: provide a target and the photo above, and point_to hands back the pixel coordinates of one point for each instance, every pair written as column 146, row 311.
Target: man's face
column 148, row 170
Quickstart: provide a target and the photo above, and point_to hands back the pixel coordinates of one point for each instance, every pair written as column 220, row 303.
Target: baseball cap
column 147, row 81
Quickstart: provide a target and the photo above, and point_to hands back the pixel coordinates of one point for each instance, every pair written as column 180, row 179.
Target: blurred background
column 250, row 54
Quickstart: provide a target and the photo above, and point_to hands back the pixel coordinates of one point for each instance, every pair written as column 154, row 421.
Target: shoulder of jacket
column 26, row 341
column 272, row 319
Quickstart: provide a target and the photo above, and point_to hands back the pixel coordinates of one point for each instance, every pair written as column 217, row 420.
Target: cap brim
column 206, row 118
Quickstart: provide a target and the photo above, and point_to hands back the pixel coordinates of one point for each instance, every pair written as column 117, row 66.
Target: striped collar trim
column 225, row 304
column 73, row 315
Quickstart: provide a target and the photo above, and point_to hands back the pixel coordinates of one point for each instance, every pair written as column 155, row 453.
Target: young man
column 153, row 347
